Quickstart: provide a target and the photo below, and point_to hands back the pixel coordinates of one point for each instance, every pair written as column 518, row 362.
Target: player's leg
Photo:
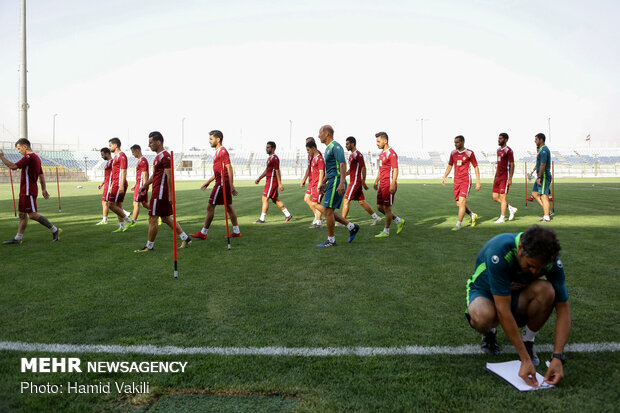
column 497, row 198
column 462, row 204
column 209, row 216
column 482, row 317
column 136, row 211
column 345, row 207
column 117, row 208
column 503, row 204
column 152, row 233
column 104, row 212
column 21, row 227
column 186, row 240
column 545, row 206
column 46, row 223
column 330, row 221
column 264, row 209
column 282, row 207
column 235, row 222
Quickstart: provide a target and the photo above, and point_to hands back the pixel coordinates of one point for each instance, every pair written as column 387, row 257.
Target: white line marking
column 288, row 351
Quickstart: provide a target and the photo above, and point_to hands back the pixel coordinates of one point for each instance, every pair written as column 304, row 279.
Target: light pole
column 182, row 133
column 421, row 120
column 54, row 131
column 549, row 126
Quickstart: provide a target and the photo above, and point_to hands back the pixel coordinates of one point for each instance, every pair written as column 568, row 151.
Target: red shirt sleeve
column 225, row 157
column 321, row 163
column 451, row 160
column 511, row 158
column 394, row 161
column 276, row 162
column 361, row 161
column 165, row 161
column 23, row 162
column 473, row 161
column 123, row 161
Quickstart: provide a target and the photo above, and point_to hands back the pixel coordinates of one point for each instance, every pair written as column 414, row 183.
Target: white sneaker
column 500, row 220
column 375, row 221
column 513, row 211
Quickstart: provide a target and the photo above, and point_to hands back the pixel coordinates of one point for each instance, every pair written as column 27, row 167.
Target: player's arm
column 445, row 175
column 511, row 173
column 207, row 183
column 8, row 163
column 261, row 176
column 280, row 186
column 229, row 168
column 477, row 170
column 147, row 183
column 306, row 175
column 502, row 305
column 320, row 181
column 394, row 178
column 341, row 186
column 168, row 174
column 376, row 184
column 540, row 172
column 121, row 187
column 555, row 373
column 43, row 186
column 364, row 178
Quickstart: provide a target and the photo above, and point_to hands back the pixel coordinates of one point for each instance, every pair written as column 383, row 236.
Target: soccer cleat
column 102, row 222
column 474, row 220
column 455, row 228
column 119, row 229
column 353, row 232
column 500, row 220
column 130, row 224
column 259, row 221
column 12, row 241
column 199, row 235
column 375, row 221
column 489, row 343
column 235, row 235
column 186, row 242
column 529, row 346
column 382, row 234
column 287, row 219
column 401, row 224
column 145, row 249
column 513, row 211
column 158, row 221
column 327, row 243
column 315, row 225
column 544, row 220
column 56, row 234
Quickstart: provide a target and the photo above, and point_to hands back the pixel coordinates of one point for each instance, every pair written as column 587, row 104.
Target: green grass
column 274, row 288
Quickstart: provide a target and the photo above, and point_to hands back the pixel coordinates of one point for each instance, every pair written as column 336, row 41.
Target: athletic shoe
column 119, row 229
column 513, row 211
column 353, row 232
column 489, row 343
column 259, row 221
column 199, row 235
column 102, row 222
column 456, row 228
column 375, row 221
column 186, row 242
column 529, row 346
column 144, row 249
column 56, row 234
column 401, row 224
column 158, row 221
column 327, row 243
column 287, row 219
column 235, row 235
column 316, row 226
column 544, row 220
column 500, row 220
column 382, row 234
column 12, row 241
column 474, row 220
column 130, row 224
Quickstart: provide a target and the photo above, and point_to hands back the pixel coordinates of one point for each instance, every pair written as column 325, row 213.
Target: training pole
column 553, row 186
column 225, row 205
column 58, row 188
column 13, row 192
column 525, row 168
column 174, row 215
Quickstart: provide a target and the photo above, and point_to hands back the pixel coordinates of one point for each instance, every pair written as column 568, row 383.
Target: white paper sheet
column 509, row 371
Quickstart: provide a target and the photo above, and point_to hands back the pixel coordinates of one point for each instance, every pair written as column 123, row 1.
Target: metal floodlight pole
column 421, row 120
column 23, row 96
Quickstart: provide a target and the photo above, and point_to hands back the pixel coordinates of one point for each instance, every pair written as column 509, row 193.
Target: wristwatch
column 559, row 356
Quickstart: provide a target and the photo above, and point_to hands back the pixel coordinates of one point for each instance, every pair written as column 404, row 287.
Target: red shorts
column 309, row 190
column 160, row 207
column 115, row 196
column 104, row 195
column 271, row 190
column 27, row 203
column 461, row 189
column 355, row 193
column 384, row 197
column 140, row 198
column 316, row 195
column 217, row 198
column 500, row 185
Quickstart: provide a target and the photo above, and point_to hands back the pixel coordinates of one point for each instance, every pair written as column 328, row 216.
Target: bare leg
column 483, row 314
column 209, row 216
column 366, row 207
column 345, row 207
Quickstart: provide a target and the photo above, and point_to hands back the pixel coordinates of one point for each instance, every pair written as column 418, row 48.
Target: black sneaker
column 529, row 346
column 12, row 241
column 56, row 235
column 489, row 343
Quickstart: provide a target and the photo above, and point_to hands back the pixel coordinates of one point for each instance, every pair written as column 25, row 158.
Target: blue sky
column 476, row 68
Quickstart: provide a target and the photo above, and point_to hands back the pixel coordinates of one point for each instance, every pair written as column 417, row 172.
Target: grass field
column 275, row 289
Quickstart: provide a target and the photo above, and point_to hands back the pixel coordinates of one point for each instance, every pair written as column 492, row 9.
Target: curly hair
column 540, row 242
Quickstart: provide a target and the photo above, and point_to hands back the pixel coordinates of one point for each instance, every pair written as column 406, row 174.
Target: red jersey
column 356, row 164
column 461, row 161
column 107, row 170
column 273, row 165
column 317, row 164
column 505, row 159
column 220, row 160
column 30, row 165
column 388, row 161
column 160, row 183
column 143, row 166
column 119, row 162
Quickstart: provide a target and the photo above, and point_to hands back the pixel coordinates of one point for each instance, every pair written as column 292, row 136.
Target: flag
column 588, row 138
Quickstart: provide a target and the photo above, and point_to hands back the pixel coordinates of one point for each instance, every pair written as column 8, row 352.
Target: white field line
column 288, row 351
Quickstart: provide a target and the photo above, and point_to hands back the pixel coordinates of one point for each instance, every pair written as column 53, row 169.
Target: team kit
column 505, row 289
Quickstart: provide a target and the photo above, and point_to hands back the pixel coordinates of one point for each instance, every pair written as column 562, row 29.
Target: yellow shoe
column 401, row 224
column 474, row 220
column 382, row 234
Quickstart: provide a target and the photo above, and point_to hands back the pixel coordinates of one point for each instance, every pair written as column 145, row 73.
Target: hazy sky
column 472, row 67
